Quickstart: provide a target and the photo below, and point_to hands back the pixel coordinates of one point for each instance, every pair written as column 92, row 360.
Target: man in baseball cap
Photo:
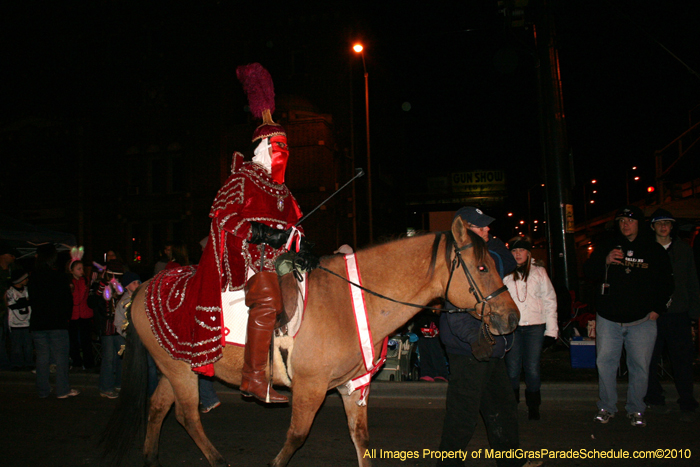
column 478, row 221
column 629, row 212
column 674, row 328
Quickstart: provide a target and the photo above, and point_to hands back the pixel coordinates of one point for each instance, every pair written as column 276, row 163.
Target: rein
column 473, row 289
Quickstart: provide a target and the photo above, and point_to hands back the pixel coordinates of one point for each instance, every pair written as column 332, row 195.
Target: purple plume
column 257, row 84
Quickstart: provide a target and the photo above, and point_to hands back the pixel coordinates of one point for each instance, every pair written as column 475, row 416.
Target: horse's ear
column 459, row 231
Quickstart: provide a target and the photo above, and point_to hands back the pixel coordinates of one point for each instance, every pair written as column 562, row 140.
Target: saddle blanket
column 194, row 333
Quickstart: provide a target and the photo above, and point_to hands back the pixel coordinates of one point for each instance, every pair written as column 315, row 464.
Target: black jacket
column 641, row 284
column 51, row 300
column 686, row 295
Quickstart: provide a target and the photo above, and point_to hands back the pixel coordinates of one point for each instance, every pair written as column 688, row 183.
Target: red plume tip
column 257, row 84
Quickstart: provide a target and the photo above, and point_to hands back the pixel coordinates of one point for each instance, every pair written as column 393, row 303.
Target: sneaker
column 109, row 394
column 637, row 419
column 71, row 393
column 210, row 408
column 604, row 416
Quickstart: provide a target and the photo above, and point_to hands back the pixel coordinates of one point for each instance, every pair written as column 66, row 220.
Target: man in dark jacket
column 674, row 331
column 52, row 307
column 635, row 282
column 478, row 379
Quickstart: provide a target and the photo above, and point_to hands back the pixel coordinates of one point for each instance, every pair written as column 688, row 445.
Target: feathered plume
column 257, row 84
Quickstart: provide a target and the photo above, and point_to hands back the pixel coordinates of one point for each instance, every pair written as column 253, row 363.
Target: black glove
column 261, row 233
column 482, row 348
column 548, row 342
column 306, row 261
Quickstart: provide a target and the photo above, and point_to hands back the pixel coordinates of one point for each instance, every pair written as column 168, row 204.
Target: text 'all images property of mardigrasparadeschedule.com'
column 530, row 454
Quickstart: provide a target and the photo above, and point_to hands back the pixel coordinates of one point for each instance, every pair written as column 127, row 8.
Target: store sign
column 478, row 181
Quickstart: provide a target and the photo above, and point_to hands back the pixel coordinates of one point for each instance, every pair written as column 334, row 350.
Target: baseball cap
column 474, row 216
column 662, row 215
column 128, row 278
column 629, row 212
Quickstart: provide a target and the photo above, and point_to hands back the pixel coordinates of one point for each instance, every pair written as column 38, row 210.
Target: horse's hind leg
column 357, row 423
column 187, row 413
column 161, row 401
column 307, row 398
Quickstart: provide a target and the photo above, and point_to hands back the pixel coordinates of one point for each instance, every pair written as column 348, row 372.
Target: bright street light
column 358, row 48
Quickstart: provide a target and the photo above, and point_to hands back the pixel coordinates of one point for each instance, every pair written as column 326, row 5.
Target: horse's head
column 475, row 285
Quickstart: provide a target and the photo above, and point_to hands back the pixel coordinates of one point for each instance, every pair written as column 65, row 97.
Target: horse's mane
column 477, row 243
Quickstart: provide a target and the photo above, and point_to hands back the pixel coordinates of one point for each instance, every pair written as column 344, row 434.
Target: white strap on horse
column 363, row 332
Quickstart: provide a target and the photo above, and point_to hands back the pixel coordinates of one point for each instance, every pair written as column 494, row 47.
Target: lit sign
column 478, row 181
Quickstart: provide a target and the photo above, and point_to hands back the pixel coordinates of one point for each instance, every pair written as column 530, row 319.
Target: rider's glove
column 261, row 233
column 305, row 260
column 482, row 348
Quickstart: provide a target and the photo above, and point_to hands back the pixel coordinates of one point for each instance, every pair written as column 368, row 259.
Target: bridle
column 473, row 287
column 474, row 290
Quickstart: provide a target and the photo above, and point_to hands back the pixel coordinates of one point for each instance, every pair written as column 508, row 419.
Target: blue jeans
column 111, row 367
column 525, row 354
column 22, row 349
column 207, row 394
column 638, row 341
column 56, row 344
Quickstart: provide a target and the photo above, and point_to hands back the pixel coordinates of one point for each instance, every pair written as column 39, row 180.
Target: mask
column 280, row 155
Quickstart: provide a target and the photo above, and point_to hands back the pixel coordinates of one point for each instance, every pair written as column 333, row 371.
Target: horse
column 398, row 279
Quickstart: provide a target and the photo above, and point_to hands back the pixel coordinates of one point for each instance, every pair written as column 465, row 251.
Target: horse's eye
column 483, row 268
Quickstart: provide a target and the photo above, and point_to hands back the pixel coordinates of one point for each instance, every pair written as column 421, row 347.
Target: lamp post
column 358, row 48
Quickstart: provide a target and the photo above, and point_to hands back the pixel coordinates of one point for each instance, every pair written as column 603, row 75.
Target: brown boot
column 264, row 300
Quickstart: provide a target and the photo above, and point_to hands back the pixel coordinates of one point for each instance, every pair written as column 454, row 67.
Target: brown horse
column 325, row 353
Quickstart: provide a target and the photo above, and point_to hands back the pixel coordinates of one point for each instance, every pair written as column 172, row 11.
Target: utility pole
column 555, row 152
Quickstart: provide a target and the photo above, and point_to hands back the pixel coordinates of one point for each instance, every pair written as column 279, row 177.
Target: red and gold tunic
column 184, row 304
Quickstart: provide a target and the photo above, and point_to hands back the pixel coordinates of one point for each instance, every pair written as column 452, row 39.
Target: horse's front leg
column 307, row 397
column 357, row 424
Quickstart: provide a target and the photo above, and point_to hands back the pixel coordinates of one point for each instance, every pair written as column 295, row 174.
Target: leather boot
column 533, row 400
column 264, row 300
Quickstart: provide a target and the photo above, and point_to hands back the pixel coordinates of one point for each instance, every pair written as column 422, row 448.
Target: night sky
column 451, row 87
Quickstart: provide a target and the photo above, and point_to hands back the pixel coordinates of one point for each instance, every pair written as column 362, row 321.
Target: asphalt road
column 51, row 432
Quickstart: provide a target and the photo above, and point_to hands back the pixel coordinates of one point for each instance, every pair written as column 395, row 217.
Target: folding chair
column 576, row 308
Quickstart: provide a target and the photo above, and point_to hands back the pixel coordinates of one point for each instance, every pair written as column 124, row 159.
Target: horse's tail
column 127, row 423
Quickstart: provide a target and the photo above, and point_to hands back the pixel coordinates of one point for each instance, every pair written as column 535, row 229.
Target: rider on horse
column 253, row 218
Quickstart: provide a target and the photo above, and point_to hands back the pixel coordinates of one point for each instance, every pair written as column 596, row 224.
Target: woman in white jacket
column 534, row 296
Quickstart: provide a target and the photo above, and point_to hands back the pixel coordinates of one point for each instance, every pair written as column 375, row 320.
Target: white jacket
column 535, row 299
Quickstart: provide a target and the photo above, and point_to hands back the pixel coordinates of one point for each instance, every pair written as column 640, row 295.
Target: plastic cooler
column 582, row 353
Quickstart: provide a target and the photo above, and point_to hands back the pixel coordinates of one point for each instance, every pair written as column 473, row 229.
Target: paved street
column 404, row 417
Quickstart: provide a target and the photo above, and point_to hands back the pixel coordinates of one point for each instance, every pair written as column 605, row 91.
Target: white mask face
column 262, row 155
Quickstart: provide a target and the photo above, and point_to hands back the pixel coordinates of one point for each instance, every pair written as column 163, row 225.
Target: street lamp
column 358, row 48
column 627, row 180
column 588, row 200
